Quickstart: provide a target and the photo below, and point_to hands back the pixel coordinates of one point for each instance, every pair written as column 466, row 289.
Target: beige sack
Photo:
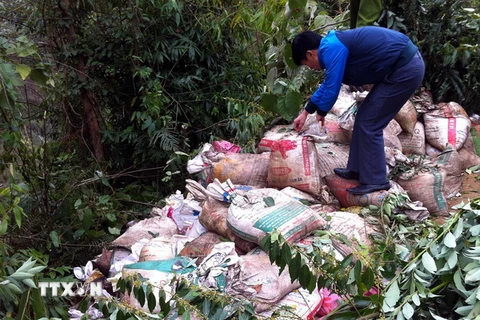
column 301, row 303
column 241, row 168
column 344, row 100
column 276, row 133
column 334, row 133
column 355, row 228
column 391, row 141
column 303, row 197
column 427, row 187
column 331, row 156
column 414, row 142
column 200, row 247
column 331, row 131
column 293, row 163
column 161, row 226
column 160, row 274
column 163, row 248
column 214, row 218
column 449, row 160
column 265, row 210
column 243, row 246
column 254, row 277
column 468, row 157
column 323, row 208
column 407, row 117
column 347, row 122
column 390, row 134
column 431, row 150
column 447, row 125
column 393, row 128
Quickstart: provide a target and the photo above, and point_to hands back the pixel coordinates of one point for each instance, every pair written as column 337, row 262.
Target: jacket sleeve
column 334, row 56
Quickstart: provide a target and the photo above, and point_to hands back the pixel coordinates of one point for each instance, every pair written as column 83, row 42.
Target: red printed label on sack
column 452, row 131
column 282, row 146
column 281, row 171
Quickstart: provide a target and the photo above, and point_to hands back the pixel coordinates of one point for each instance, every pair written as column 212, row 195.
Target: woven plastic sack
column 264, row 210
column 241, row 168
column 407, row 117
column 256, row 278
column 413, row 143
column 293, row 163
column 447, row 125
column 427, row 186
column 338, row 186
column 449, row 160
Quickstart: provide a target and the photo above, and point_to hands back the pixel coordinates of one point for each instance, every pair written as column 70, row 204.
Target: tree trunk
column 90, row 110
column 354, row 6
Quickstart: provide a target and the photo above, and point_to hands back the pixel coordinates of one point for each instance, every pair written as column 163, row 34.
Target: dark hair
column 304, row 41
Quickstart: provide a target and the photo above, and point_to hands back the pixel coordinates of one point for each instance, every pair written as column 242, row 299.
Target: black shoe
column 368, row 188
column 346, row 174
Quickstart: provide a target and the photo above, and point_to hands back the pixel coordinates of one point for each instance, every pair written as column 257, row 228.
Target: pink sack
column 226, row 147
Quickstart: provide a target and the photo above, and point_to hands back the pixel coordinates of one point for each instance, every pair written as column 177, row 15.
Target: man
column 367, row 55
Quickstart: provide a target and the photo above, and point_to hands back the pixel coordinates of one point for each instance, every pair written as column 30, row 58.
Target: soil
column 470, row 189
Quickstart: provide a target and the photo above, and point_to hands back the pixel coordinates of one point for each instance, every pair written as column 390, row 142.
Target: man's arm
column 334, row 55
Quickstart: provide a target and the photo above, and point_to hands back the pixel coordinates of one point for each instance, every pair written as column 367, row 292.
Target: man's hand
column 321, row 119
column 300, row 121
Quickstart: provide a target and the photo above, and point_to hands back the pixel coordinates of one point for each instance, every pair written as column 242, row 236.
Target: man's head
column 305, row 49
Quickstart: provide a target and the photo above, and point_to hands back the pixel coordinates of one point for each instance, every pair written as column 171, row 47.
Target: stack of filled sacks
column 289, row 186
column 439, row 148
column 226, row 256
column 156, row 252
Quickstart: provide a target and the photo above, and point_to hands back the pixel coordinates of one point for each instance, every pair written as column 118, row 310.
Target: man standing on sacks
column 368, row 55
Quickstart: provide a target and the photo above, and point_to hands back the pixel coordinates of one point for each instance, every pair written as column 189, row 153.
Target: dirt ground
column 470, row 189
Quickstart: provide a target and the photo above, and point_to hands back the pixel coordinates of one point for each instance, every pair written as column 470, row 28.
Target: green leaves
column 324, row 22
column 3, row 226
column 22, row 47
column 19, row 287
column 23, row 70
column 297, row 8
column 287, row 106
column 269, row 101
column 54, row 237
column 18, row 213
column 185, row 299
column 449, row 240
column 429, row 263
column 408, row 310
column 348, row 276
column 391, row 297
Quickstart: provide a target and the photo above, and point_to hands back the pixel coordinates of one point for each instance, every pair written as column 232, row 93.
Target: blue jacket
column 357, row 57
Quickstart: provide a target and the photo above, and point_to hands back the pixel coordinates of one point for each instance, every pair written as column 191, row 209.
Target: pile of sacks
column 211, row 236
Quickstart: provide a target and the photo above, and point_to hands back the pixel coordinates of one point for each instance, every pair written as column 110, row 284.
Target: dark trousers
column 384, row 101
